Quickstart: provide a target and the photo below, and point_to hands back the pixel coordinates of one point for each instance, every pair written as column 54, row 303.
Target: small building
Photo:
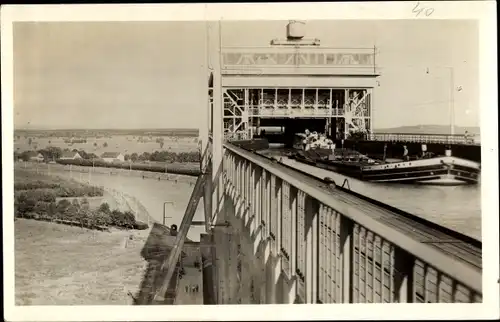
column 35, row 157
column 112, row 157
column 70, row 155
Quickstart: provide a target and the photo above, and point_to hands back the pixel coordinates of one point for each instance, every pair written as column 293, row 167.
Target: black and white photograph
column 205, row 158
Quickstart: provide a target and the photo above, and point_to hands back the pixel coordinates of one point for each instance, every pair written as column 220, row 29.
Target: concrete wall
column 260, row 280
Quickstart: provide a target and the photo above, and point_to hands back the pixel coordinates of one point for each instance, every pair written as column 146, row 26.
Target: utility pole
column 164, row 211
column 452, row 101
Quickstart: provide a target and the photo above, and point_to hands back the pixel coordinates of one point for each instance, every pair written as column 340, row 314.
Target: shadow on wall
column 156, row 250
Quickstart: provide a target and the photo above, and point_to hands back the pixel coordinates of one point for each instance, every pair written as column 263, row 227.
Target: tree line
column 55, row 153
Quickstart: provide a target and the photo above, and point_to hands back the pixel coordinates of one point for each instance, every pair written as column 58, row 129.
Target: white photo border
column 483, row 11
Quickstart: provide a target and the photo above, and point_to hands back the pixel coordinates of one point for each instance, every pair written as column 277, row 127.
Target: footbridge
column 276, row 234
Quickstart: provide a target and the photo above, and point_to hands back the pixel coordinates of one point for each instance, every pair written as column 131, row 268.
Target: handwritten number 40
column 418, row 10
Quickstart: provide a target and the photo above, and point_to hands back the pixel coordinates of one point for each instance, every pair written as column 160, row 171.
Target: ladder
column 169, row 264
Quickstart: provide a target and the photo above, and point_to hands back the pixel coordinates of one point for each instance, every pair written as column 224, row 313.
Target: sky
column 153, row 74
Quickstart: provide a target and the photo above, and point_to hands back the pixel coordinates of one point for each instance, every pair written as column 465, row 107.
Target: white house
column 35, row 157
column 70, row 155
column 112, row 157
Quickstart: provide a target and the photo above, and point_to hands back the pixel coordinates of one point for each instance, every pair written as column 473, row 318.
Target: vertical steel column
column 301, row 245
column 272, row 245
column 217, row 140
column 302, row 106
column 289, row 98
column 294, row 234
column 316, row 100
column 246, row 108
column 331, row 253
column 217, row 115
column 347, row 246
column 275, row 99
column 404, row 265
column 323, row 261
column 285, row 230
column 338, row 293
column 279, row 218
column 347, row 108
column 263, row 204
column 239, row 165
column 258, row 199
column 312, row 250
column 251, row 197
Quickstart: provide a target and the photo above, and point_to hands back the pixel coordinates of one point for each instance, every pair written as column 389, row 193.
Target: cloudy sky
column 152, row 74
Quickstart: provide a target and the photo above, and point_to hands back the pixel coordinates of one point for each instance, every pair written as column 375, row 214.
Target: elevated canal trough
column 277, row 235
column 320, row 245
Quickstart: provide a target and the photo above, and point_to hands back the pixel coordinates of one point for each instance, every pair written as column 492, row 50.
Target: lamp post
column 451, row 110
column 164, row 211
column 451, row 105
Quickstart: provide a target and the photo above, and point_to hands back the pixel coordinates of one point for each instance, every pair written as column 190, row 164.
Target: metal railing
column 425, row 138
column 296, row 111
column 334, row 248
column 305, row 56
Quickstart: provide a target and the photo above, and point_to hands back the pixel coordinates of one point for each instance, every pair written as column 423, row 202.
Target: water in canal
column 153, row 194
column 455, row 207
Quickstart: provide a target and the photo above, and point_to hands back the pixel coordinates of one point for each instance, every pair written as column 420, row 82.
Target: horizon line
column 102, row 129
column 197, row 129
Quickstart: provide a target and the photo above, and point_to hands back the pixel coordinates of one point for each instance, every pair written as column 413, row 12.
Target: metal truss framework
column 242, row 106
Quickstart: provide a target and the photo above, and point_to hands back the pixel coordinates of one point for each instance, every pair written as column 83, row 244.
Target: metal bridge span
column 274, row 235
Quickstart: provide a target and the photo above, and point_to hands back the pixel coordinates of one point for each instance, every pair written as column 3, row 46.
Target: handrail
column 170, row 264
column 472, row 139
column 464, row 273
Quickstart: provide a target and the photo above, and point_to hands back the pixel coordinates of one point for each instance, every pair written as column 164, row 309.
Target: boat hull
column 434, row 171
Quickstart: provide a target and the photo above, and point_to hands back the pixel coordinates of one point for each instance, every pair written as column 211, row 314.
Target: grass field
column 63, row 265
column 116, row 143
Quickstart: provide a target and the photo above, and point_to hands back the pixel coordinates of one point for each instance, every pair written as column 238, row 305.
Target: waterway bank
column 158, row 194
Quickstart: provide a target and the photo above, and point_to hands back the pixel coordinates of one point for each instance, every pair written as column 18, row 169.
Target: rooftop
column 110, row 154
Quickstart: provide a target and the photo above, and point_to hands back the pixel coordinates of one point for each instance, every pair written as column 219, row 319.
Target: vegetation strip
column 36, row 201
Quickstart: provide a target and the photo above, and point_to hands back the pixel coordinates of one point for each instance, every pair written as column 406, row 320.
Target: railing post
column 346, row 242
column 293, row 251
column 279, row 217
column 263, row 204
column 404, row 265
column 312, row 250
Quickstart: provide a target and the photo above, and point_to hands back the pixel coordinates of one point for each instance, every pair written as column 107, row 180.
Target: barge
column 427, row 169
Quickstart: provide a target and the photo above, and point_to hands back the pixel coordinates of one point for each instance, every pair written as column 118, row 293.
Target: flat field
column 126, row 144
column 64, row 265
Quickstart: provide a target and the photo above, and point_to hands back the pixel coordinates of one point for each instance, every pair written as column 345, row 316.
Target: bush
column 77, row 190
column 41, row 194
column 62, row 205
column 71, row 212
column 34, row 185
column 104, row 208
column 164, row 156
column 122, row 219
column 41, row 208
column 85, row 204
column 96, row 219
column 40, row 204
column 24, row 204
column 139, row 225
